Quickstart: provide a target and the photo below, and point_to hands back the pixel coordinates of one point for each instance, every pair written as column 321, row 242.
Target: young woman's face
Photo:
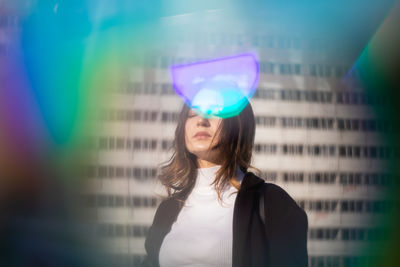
column 202, row 136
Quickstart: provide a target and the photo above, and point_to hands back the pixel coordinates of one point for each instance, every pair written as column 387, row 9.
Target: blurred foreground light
column 221, row 87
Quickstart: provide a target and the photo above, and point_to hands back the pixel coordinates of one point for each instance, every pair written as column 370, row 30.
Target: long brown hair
column 178, row 175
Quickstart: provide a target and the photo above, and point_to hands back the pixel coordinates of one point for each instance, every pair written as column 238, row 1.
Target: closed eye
column 192, row 114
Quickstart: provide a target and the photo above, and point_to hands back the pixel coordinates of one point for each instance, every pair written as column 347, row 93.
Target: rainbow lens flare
column 220, row 87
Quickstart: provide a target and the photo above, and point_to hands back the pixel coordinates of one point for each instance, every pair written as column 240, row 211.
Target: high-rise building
column 317, row 137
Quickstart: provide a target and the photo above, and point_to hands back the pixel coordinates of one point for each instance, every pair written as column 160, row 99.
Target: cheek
column 190, row 127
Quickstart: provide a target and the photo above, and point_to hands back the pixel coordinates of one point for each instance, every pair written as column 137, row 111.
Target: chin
column 202, row 148
column 199, row 153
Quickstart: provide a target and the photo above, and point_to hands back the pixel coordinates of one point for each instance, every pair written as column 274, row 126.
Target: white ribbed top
column 202, row 233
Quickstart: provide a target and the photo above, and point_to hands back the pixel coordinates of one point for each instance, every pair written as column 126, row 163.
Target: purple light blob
column 219, row 80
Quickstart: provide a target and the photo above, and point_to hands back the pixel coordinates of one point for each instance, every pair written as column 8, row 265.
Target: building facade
column 317, row 137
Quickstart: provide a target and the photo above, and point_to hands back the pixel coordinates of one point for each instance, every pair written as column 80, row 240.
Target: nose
column 203, row 122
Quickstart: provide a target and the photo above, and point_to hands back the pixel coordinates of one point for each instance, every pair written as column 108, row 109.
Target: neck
column 201, row 163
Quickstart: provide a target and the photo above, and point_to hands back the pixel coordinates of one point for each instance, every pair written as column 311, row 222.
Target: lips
column 202, row 134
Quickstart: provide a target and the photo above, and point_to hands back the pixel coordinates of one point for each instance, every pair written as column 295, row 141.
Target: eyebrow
column 191, row 111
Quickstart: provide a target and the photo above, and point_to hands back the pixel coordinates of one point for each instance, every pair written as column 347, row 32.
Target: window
column 338, row 72
column 313, row 70
column 354, row 98
column 328, row 71
column 268, row 41
column 137, row 88
column 320, row 70
column 118, row 115
column 357, row 178
column 111, row 172
column 281, row 42
column 358, row 206
column 342, row 151
column 255, row 41
column 164, row 145
column 164, row 62
column 145, row 144
column 373, row 152
column 345, row 206
column 355, row 125
column 119, row 172
column 137, row 115
column 296, row 43
column 297, row 69
column 102, row 171
column 136, row 144
column 339, row 98
column 365, row 152
column 340, row 124
column 153, row 145
column 103, row 143
column 164, row 117
column 130, row 115
column 349, row 151
column 269, row 67
column 120, row 143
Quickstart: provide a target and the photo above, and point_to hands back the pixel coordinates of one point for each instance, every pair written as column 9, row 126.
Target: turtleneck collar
column 206, row 176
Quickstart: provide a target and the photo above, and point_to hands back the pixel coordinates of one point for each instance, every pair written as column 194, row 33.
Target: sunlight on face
column 202, row 136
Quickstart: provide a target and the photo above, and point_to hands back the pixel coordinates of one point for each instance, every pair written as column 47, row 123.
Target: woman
column 213, row 215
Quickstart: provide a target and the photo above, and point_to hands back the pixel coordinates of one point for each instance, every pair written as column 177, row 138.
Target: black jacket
column 280, row 242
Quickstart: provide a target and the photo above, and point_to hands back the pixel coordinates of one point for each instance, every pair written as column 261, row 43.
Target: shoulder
column 281, row 206
column 278, row 195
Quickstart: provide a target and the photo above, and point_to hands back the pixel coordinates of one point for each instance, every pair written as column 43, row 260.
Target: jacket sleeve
column 164, row 217
column 150, row 241
column 286, row 229
column 297, row 229
column 152, row 238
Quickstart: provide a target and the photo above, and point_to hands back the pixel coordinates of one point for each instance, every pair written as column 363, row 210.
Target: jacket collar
column 243, row 209
column 242, row 213
column 250, row 181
